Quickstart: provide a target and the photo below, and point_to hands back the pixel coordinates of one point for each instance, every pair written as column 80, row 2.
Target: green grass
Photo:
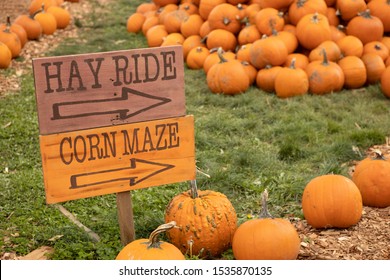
column 245, row 143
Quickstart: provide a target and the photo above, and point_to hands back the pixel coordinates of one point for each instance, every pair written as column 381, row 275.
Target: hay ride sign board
column 113, row 122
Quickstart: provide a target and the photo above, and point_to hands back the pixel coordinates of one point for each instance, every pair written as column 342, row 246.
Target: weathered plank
column 115, row 159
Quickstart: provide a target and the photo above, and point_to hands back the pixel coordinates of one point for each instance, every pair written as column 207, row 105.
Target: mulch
column 368, row 240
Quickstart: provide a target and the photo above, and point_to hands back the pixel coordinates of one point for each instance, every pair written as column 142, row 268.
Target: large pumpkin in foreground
column 266, row 238
column 372, row 177
column 206, row 222
column 152, row 248
column 332, row 201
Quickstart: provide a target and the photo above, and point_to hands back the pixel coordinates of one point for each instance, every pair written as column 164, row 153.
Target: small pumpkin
column 291, row 81
column 134, row 22
column 17, row 29
column 300, row 8
column 5, row 56
column 205, row 7
column 266, row 238
column 324, row 76
column 366, row 27
column 196, row 57
column 331, row 48
column 348, row 9
column 152, row 248
column 265, row 78
column 375, row 66
column 191, row 25
column 190, row 43
column 221, row 38
column 301, row 60
column 268, row 20
column 11, row 40
column 47, row 21
column 269, row 50
column 378, row 48
column 350, row 46
column 206, row 222
column 381, row 9
column 355, row 71
column 248, row 34
column 225, row 16
column 332, row 201
column 312, row 30
column 62, row 16
column 214, row 58
column 372, row 177
column 385, row 82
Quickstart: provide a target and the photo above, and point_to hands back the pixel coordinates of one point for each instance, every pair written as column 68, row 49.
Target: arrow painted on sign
column 119, row 105
column 137, row 166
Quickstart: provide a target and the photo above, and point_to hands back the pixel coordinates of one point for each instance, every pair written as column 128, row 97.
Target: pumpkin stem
column 325, row 61
column 222, row 59
column 8, row 25
column 193, row 189
column 365, row 14
column 292, row 64
column 153, row 237
column 264, row 206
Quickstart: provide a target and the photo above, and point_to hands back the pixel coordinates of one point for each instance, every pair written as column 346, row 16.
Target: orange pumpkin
column 47, row 21
column 331, row 48
column 385, row 82
column 190, row 43
column 33, row 28
column 37, row 5
column 350, row 46
column 5, row 56
column 213, row 58
column 225, row 16
column 300, row 8
column 221, row 38
column 227, row 77
column 378, row 48
column 152, row 248
column 196, row 57
column 366, row 27
column 354, row 71
column 191, row 25
column 350, row 8
column 332, row 201
column 61, row 15
column 248, row 34
column 372, row 177
column 266, row 238
column 375, row 66
column 324, row 76
column 381, row 9
column 205, row 7
column 265, row 78
column 312, row 30
column 268, row 20
column 268, row 51
column 301, row 60
column 206, row 222
column 291, row 81
column 134, row 22
column 12, row 41
column 17, row 29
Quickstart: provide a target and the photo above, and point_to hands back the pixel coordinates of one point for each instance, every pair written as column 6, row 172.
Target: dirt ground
column 368, row 240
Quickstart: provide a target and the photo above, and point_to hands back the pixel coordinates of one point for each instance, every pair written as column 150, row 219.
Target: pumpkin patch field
column 291, row 106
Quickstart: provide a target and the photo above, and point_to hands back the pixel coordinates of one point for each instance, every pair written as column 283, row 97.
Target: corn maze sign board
column 113, row 122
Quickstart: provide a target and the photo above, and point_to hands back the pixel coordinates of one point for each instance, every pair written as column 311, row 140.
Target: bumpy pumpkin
column 332, row 201
column 372, row 177
column 206, row 222
column 152, row 248
column 266, row 238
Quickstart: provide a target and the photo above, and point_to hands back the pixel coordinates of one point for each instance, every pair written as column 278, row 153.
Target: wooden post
column 125, row 217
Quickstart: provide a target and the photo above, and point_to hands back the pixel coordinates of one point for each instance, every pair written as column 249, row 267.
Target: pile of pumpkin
column 290, row 47
column 203, row 223
column 43, row 17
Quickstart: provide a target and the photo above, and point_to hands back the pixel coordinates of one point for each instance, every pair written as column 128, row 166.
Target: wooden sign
column 85, row 91
column 114, row 159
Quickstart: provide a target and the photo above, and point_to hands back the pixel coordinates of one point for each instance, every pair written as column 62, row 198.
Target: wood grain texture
column 115, row 159
column 86, row 91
